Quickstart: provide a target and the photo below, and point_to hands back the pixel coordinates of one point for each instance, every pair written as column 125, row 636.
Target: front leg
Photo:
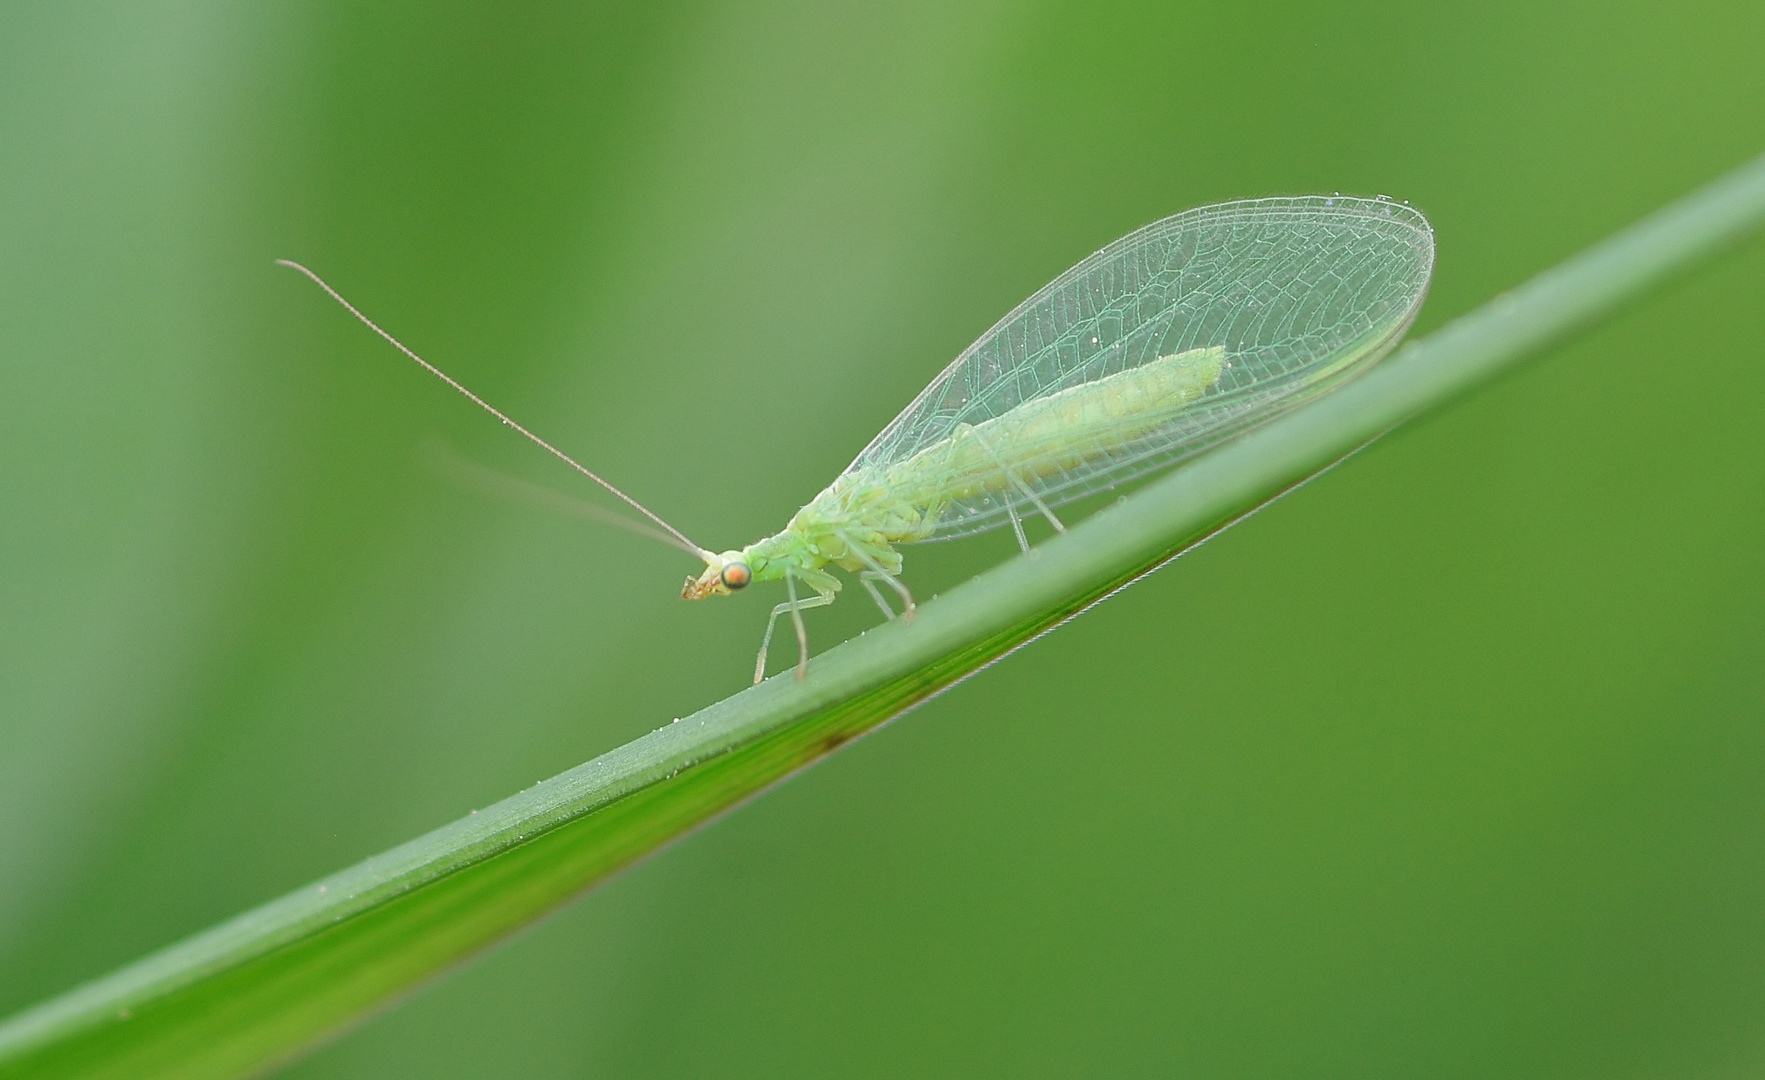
column 796, row 608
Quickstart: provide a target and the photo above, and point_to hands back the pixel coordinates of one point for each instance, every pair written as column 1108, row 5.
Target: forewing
column 1299, row 291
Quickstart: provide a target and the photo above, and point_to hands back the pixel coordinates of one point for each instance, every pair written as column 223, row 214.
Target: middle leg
column 868, row 579
column 875, row 569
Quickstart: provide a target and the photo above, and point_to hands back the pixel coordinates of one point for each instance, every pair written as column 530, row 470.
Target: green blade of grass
column 262, row 987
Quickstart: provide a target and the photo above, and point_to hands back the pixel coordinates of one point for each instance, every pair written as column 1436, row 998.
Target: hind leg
column 1023, row 542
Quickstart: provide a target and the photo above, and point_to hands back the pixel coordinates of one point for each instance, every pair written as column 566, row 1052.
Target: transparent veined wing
column 1262, row 303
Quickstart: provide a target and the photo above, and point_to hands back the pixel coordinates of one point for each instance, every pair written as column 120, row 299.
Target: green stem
column 270, row 982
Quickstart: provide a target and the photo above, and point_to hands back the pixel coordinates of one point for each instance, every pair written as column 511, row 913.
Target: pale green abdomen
column 1012, row 451
column 1060, row 432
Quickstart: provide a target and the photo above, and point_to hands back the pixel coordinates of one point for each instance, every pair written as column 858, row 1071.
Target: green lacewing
column 1162, row 345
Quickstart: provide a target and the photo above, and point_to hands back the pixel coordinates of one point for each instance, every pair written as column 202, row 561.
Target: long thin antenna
column 498, row 413
column 463, row 470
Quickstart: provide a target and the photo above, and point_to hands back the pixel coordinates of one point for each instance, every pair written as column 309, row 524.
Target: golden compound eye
column 736, row 575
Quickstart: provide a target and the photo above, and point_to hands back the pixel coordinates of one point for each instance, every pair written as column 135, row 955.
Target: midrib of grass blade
column 250, row 992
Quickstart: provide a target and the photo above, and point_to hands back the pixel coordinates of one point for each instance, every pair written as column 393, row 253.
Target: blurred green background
column 1451, row 764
